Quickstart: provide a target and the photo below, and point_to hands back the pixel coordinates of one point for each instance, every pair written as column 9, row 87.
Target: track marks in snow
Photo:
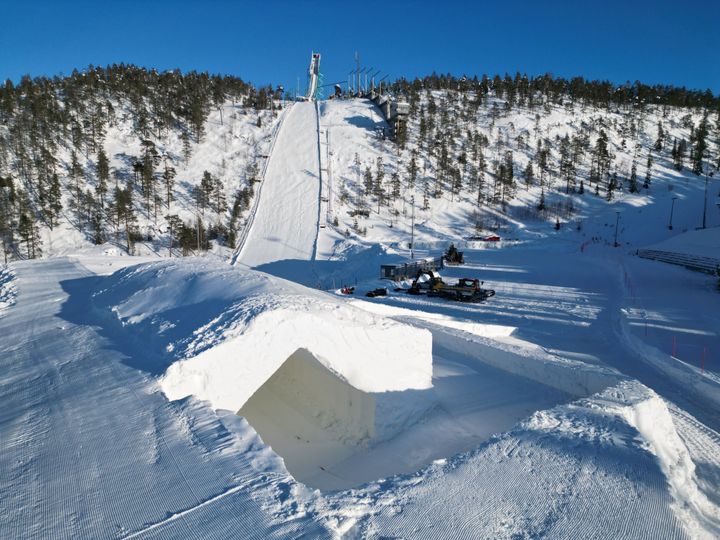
column 702, row 444
column 89, row 447
column 575, row 471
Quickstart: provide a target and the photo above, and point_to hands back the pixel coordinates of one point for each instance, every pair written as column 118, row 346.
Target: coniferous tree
column 508, row 176
column 125, row 216
column 54, row 202
column 169, row 179
column 678, row 156
column 174, row 229
column 565, row 163
column 700, row 146
column 542, row 160
column 76, row 173
column 456, row 182
column 97, row 226
column 633, row 186
column 412, row 170
column 7, row 228
column 541, row 202
column 395, row 185
column 379, row 188
column 103, row 174
column 188, row 238
column 481, row 167
column 186, row 148
column 528, row 175
column 660, row 138
column 27, row 227
column 602, row 157
column 205, row 191
column 611, row 186
column 148, row 172
column 219, row 199
column 368, row 178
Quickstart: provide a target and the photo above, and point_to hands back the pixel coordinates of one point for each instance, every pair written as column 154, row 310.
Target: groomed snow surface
column 93, row 448
column 285, row 223
column 187, row 398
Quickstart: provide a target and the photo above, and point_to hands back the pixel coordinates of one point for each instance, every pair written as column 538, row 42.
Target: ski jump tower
column 314, row 78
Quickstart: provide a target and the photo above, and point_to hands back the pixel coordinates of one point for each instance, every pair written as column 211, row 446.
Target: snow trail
column 285, row 224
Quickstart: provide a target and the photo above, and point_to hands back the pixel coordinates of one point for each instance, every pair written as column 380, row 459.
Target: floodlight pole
column 412, row 227
column 357, row 71
column 707, row 173
column 672, row 207
column 617, row 220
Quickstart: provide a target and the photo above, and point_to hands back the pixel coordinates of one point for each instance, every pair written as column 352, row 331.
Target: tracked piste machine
column 465, row 290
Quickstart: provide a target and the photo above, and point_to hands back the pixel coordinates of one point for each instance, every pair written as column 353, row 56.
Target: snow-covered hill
column 130, row 157
column 148, row 398
column 492, row 132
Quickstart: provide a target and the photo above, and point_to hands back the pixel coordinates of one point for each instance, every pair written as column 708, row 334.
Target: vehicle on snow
column 465, row 290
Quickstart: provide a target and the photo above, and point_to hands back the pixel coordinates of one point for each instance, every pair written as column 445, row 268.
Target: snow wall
column 220, row 333
column 309, row 416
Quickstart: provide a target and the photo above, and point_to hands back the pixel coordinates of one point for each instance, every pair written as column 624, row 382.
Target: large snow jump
column 285, row 225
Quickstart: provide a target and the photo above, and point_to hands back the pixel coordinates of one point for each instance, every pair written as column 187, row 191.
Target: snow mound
column 645, row 411
column 219, row 333
column 7, row 289
column 615, row 456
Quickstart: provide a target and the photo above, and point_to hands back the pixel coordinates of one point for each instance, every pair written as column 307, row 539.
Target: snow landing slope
column 285, row 224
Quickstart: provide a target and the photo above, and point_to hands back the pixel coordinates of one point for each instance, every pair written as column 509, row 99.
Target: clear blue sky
column 660, row 41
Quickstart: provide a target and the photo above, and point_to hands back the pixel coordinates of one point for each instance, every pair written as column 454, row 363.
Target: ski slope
column 285, row 223
column 91, row 449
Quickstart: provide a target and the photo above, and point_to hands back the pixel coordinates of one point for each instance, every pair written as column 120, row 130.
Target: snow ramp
column 302, row 367
column 285, row 223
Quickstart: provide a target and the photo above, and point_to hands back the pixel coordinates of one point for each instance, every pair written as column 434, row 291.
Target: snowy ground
column 583, row 400
column 93, row 448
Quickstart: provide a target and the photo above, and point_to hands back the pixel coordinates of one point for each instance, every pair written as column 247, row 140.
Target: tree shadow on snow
column 364, row 122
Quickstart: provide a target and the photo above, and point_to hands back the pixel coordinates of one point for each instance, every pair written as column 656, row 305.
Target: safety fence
column 409, row 269
column 709, row 265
